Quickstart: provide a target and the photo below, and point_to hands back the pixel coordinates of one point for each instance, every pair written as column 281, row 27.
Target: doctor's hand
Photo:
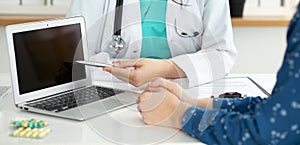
column 144, row 70
column 161, row 107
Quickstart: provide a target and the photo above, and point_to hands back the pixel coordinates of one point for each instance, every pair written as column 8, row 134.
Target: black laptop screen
column 44, row 58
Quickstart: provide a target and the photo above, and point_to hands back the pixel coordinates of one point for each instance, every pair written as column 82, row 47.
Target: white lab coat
column 204, row 58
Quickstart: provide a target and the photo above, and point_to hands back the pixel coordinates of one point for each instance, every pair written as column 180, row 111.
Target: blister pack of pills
column 32, row 128
column 31, row 132
column 32, row 123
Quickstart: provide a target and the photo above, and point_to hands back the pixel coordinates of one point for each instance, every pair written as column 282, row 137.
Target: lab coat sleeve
column 218, row 53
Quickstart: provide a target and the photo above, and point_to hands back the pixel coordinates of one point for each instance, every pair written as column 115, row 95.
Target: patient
column 253, row 120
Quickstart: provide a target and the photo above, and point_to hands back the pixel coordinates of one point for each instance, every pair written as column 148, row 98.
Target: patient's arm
column 235, row 104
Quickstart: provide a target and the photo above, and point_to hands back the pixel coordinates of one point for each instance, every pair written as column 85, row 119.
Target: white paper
column 241, row 85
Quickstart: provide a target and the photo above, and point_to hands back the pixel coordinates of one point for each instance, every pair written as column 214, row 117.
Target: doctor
column 162, row 38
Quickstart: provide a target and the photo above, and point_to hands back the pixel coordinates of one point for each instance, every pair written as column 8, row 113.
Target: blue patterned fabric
column 253, row 120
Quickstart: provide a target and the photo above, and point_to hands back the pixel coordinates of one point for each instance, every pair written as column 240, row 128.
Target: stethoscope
column 117, row 43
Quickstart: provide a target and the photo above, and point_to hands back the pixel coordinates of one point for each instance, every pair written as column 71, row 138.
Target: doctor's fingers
column 120, row 73
column 134, row 77
column 128, row 63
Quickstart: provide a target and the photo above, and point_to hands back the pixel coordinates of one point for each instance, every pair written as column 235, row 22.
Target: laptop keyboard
column 74, row 99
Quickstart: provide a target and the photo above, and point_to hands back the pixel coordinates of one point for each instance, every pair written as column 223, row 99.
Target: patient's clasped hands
column 164, row 103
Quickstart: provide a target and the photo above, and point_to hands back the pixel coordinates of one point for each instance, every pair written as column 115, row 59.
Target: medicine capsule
column 40, row 124
column 41, row 130
column 24, row 132
column 30, row 124
column 16, row 132
column 17, row 123
column 35, row 125
column 35, row 134
column 45, row 123
column 29, row 133
column 25, row 124
column 43, row 133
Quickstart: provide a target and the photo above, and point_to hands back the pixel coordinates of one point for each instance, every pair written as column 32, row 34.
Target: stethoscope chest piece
column 117, row 43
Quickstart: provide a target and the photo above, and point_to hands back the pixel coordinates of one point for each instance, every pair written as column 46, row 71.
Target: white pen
column 92, row 63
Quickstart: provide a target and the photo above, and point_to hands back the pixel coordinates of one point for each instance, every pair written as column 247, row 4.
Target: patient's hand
column 172, row 87
column 179, row 92
column 161, row 107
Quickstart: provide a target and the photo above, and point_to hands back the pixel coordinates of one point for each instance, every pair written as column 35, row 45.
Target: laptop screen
column 44, row 57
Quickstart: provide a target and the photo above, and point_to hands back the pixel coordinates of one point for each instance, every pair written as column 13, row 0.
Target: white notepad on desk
column 243, row 85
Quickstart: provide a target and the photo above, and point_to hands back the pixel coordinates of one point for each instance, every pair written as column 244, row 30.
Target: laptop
column 44, row 78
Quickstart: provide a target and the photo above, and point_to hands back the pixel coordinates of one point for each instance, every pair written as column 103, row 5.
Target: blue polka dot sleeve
column 237, row 104
column 250, row 121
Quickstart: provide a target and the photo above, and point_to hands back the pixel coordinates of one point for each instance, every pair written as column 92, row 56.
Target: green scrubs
column 153, row 20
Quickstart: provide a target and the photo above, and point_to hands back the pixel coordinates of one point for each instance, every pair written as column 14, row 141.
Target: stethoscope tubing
column 118, row 43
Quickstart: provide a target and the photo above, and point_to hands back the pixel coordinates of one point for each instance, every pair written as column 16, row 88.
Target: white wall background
column 4, row 63
column 260, row 49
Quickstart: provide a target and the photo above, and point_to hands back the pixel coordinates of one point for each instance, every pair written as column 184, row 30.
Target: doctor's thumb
column 107, row 69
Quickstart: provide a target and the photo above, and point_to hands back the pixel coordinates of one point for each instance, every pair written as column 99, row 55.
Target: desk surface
column 123, row 125
column 12, row 19
column 261, row 21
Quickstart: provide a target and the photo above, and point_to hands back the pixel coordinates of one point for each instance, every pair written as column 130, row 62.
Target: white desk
column 124, row 125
